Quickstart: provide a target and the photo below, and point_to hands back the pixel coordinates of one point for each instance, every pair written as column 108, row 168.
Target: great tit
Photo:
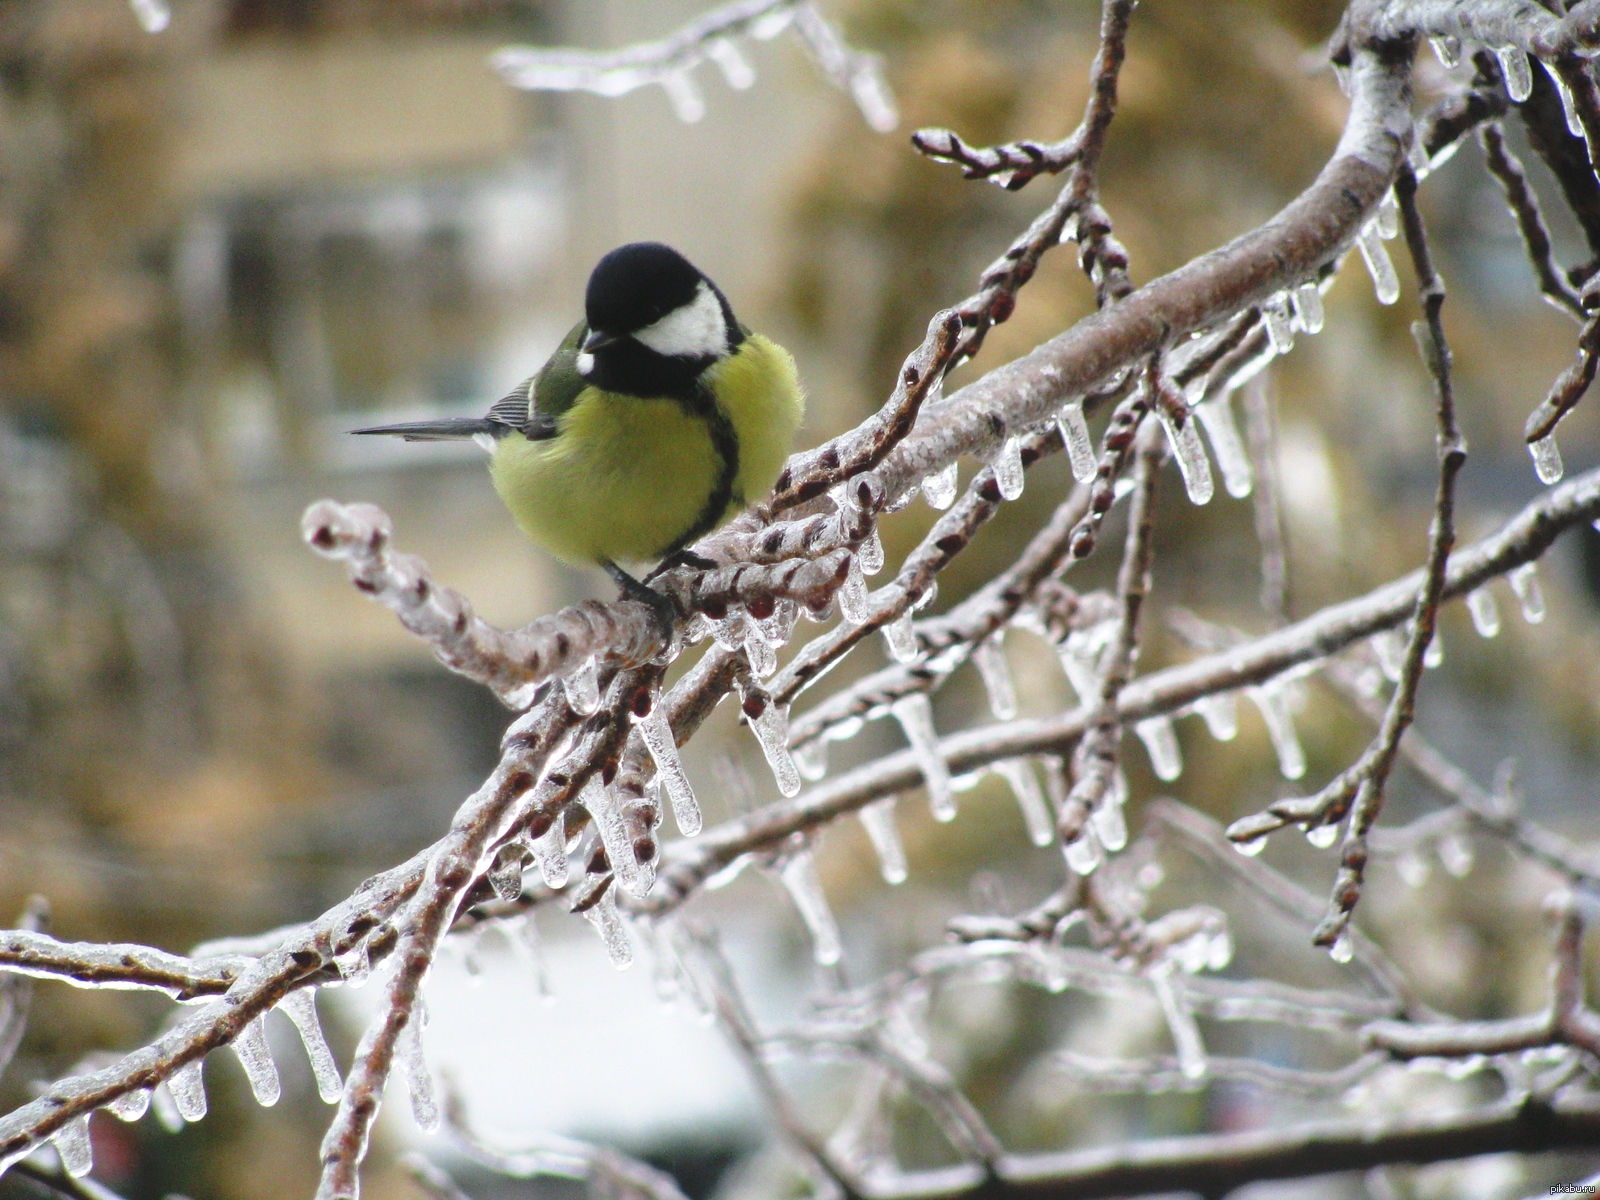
column 658, row 418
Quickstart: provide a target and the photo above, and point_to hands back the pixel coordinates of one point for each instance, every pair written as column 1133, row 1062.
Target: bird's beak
column 598, row 339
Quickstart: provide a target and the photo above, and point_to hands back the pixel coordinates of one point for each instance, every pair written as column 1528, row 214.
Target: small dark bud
column 714, row 608
column 760, row 607
column 754, row 704
column 830, row 459
column 642, row 703
column 990, row 490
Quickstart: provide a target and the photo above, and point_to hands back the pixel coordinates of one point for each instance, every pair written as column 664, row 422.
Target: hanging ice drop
column 853, row 594
column 1221, row 714
column 1274, row 708
column 1343, row 949
column 1433, row 656
column 1110, row 823
column 1447, row 50
column 1080, row 446
column 256, row 1057
column 607, row 921
column 419, row 1080
column 799, row 875
column 1191, row 456
column 550, row 852
column 1518, row 74
column 1569, row 110
column 1387, row 219
column 1525, row 582
column 684, row 93
column 583, row 686
column 300, row 1007
column 939, row 489
column 187, row 1086
column 901, row 638
column 871, row 553
column 1323, row 836
column 735, row 68
column 877, row 819
column 1485, row 613
column 989, row 656
column 153, row 15
column 1083, row 852
column 771, row 727
column 601, row 803
column 1547, row 464
column 811, row 758
column 759, row 652
column 1455, row 853
column 1018, row 772
column 1008, row 472
column 1180, row 1022
column 1280, row 327
column 130, row 1106
column 1308, row 306
column 72, row 1144
column 1253, row 847
column 1217, row 417
column 1161, row 744
column 1373, row 252
column 915, row 715
column 663, row 744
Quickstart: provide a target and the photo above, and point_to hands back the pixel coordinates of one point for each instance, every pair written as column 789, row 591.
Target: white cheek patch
column 694, row 330
column 584, row 362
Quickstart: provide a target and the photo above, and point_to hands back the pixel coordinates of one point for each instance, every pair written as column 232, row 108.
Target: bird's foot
column 682, row 558
column 665, row 611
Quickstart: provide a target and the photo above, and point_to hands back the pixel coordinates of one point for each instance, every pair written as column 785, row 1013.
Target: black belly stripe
column 725, row 441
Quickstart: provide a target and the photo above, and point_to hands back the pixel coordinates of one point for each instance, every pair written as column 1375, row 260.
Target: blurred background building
column 223, row 245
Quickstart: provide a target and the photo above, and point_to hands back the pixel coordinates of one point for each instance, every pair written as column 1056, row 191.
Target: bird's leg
column 681, row 558
column 666, row 613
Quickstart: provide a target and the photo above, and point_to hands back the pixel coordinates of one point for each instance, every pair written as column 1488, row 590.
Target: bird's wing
column 558, row 385
column 514, row 412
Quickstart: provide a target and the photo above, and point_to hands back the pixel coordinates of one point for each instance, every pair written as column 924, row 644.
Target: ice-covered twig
column 101, row 965
column 1013, row 165
column 16, row 987
column 1524, row 206
column 1569, row 386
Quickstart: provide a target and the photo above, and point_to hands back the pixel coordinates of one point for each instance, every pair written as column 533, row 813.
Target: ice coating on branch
column 1547, row 464
column 762, row 656
column 1109, row 822
column 153, row 15
column 729, row 630
column 1008, row 473
column 1447, row 50
column 1018, row 772
column 1433, row 656
column 684, row 92
column 72, row 1144
column 799, row 875
column 811, row 759
column 300, row 1007
column 1080, row 445
column 583, row 687
column 187, row 1088
column 419, row 1080
column 1525, row 582
column 1485, row 613
column 354, row 965
column 901, row 638
column 1161, row 744
column 1217, row 416
column 603, row 915
column 550, row 852
column 663, row 745
column 771, row 727
column 1191, row 456
column 1568, row 108
column 939, row 489
column 989, row 656
column 1180, row 1021
column 1308, row 306
column 853, row 594
column 1387, row 219
column 915, row 715
column 1518, row 74
column 871, row 553
column 1373, row 252
column 256, row 1057
column 1280, row 326
column 1083, row 852
column 602, row 804
column 1274, row 707
column 877, row 819
column 1343, row 949
column 130, row 1106
column 1323, row 836
column 1221, row 714
column 776, row 628
column 736, row 69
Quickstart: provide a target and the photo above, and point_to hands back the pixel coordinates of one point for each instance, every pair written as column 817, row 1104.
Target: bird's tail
column 444, row 429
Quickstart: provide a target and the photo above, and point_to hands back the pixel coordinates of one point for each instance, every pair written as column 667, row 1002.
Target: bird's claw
column 666, row 613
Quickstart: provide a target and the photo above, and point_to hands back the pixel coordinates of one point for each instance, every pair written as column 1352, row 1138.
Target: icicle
column 771, row 727
column 187, row 1089
column 1080, row 446
column 1083, row 853
column 1433, row 656
column 1447, row 50
column 130, row 1106
column 1161, row 744
column 1485, row 613
column 1280, row 328
column 256, row 1056
column 608, row 921
column 762, row 657
column 1343, row 949
column 1217, row 416
column 1390, row 648
column 939, row 489
column 729, row 631
column 799, row 875
column 1280, row 727
column 877, row 819
column 915, row 715
column 770, row 24
column 901, row 638
column 583, row 686
column 1253, row 847
column 1007, row 466
column 354, row 967
column 1109, row 822
column 989, row 656
column 72, row 1144
column 1018, row 772
column 505, row 877
column 853, row 594
column 1525, row 583
column 1221, row 714
column 408, row 1049
column 601, row 804
column 811, row 759
column 1323, row 836
column 1308, row 306
column 1455, row 853
column 1191, row 456
column 1547, row 464
column 871, row 553
column 735, row 68
column 528, row 944
column 1412, row 869
column 1568, row 108
column 1518, row 74
column 165, row 1109
column 153, row 15
column 658, row 736
column 684, row 93
column 300, row 1006
column 550, row 852
column 873, row 97
column 843, row 731
column 1180, row 1021
column 1387, row 219
column 1384, row 281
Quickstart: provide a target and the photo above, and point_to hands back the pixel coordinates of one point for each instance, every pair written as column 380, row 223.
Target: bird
column 658, row 418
